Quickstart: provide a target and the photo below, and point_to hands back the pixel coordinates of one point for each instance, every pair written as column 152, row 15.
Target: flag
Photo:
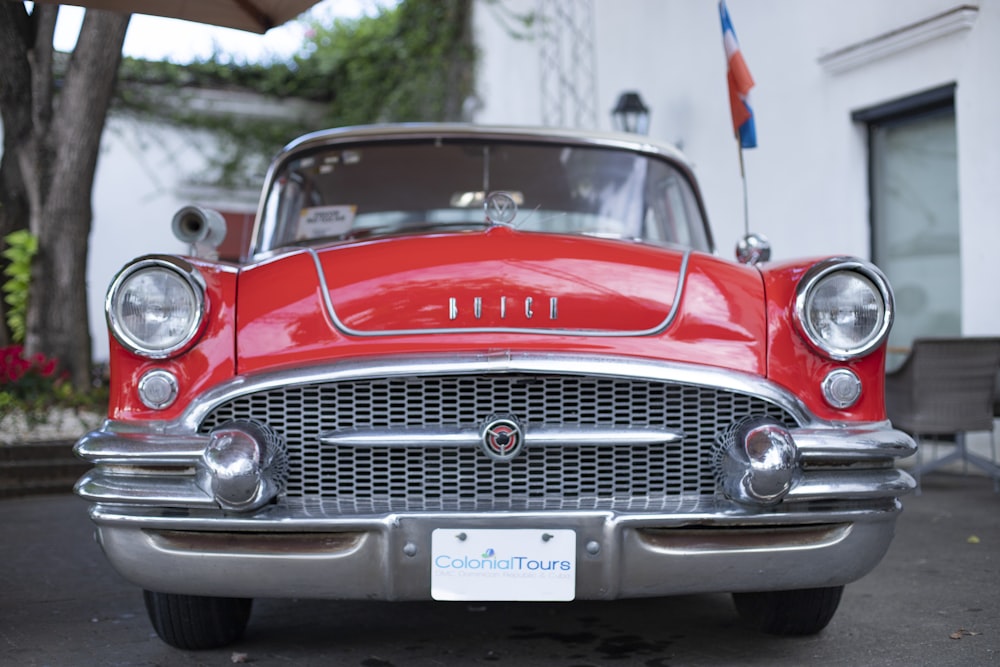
column 740, row 83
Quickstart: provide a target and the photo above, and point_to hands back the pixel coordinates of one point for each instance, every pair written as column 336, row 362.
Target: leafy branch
column 22, row 246
column 411, row 62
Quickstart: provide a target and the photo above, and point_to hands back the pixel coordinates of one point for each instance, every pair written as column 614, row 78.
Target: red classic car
column 468, row 363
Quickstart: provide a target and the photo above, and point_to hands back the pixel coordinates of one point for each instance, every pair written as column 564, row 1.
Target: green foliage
column 32, row 385
column 517, row 26
column 22, row 246
column 413, row 61
column 275, row 79
column 242, row 145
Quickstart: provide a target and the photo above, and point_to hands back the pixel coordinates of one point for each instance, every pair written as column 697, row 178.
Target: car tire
column 797, row 612
column 194, row 622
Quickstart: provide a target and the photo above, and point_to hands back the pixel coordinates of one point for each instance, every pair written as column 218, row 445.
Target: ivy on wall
column 414, row 61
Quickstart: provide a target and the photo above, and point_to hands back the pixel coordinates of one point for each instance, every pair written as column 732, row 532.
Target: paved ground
column 934, row 600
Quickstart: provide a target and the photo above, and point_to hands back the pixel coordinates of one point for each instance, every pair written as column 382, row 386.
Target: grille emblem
column 502, row 437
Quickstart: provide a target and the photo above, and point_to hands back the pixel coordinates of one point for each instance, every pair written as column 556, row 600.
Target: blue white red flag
column 740, row 83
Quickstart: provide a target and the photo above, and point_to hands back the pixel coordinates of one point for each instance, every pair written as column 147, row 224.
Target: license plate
column 528, row 565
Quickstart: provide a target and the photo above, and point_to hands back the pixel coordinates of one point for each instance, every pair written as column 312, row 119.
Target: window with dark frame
column 914, row 213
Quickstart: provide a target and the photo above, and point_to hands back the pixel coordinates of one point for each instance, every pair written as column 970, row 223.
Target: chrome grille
column 415, row 478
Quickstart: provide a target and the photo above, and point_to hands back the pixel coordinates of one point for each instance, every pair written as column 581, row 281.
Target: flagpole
column 743, row 177
column 740, row 82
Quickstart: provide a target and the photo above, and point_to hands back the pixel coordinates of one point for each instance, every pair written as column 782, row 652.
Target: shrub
column 31, row 385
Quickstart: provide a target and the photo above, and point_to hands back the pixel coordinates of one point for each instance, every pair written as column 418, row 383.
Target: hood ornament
column 500, row 208
column 753, row 249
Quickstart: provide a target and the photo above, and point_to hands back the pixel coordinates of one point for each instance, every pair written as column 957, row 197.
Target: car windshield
column 392, row 187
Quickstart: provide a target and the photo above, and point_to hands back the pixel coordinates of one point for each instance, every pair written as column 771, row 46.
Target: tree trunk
column 461, row 62
column 15, row 87
column 13, row 216
column 57, row 156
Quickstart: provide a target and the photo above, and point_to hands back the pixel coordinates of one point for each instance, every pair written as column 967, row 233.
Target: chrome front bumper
column 162, row 529
column 165, row 533
column 389, row 557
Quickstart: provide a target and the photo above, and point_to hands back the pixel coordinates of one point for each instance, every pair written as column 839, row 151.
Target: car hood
column 501, row 279
column 499, row 290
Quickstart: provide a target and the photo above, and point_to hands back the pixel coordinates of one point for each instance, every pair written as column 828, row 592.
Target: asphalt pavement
column 934, row 600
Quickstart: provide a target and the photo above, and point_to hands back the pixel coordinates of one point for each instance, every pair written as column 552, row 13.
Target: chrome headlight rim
column 814, row 277
column 190, row 277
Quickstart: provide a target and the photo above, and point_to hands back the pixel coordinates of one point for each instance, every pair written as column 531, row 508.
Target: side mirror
column 753, row 249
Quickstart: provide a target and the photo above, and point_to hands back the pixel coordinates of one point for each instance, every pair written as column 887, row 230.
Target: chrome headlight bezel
column 187, row 277
column 807, row 290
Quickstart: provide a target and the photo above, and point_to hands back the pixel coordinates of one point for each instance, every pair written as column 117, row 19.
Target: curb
column 30, row 468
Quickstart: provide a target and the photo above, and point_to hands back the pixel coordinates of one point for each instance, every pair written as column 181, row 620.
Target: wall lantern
column 630, row 114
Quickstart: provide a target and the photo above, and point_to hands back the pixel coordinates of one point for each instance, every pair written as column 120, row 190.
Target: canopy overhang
column 251, row 15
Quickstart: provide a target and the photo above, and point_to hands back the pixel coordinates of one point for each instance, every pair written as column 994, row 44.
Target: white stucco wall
column 145, row 175
column 808, row 188
column 138, row 187
column 977, row 100
column 133, row 204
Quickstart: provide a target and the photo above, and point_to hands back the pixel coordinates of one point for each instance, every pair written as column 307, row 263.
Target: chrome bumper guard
column 161, row 470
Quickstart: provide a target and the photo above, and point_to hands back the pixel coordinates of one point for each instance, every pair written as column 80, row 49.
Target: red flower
column 14, row 367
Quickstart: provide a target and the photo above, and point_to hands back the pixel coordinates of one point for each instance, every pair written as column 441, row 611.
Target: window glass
column 412, row 186
column 916, row 224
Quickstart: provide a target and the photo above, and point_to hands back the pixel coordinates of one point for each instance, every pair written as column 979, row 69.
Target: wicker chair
column 944, row 389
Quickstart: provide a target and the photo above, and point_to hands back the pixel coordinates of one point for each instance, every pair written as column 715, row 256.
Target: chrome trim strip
column 856, row 485
column 106, row 487
column 453, row 313
column 119, row 447
column 164, row 491
column 733, row 540
column 851, row 444
column 716, row 512
column 414, row 437
column 396, row 132
column 108, row 447
column 535, row 436
column 485, row 363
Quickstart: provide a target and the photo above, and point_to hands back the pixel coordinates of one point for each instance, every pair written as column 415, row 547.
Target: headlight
column 844, row 307
column 156, row 306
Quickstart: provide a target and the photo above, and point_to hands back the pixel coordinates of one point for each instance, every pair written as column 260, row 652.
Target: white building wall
column 133, row 204
column 145, row 174
column 808, row 179
column 138, row 187
column 978, row 126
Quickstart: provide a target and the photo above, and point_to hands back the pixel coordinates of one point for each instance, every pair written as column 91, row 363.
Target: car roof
column 404, row 131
